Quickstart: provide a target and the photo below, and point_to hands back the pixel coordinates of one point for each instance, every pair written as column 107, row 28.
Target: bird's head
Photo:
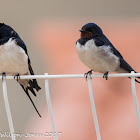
column 1, row 24
column 90, row 30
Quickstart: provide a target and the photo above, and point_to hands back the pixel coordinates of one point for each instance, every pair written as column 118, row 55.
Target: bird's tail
column 30, row 84
column 127, row 68
column 136, row 79
column 32, row 90
column 33, row 83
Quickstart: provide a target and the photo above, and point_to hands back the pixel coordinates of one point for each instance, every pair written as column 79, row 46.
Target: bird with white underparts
column 97, row 52
column 14, row 60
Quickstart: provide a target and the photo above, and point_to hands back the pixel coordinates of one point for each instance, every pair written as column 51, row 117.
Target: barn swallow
column 97, row 52
column 15, row 61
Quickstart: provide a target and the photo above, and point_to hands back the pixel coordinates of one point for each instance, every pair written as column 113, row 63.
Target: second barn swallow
column 97, row 52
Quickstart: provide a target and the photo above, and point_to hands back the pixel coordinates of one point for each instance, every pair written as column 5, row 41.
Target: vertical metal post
column 93, row 109
column 135, row 100
column 50, row 107
column 8, row 109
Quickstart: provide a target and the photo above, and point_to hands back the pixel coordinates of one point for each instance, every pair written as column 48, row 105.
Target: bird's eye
column 12, row 32
column 90, row 29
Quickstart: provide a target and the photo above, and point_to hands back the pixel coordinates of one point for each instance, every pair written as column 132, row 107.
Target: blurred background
column 49, row 29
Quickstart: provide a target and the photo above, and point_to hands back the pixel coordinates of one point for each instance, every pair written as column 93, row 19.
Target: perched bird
column 14, row 60
column 97, row 52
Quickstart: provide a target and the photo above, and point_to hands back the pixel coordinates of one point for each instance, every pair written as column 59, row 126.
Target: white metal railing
column 47, row 77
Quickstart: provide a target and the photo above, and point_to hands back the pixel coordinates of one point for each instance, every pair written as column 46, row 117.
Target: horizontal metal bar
column 72, row 76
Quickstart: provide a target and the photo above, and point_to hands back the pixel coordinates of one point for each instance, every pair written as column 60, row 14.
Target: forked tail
column 26, row 91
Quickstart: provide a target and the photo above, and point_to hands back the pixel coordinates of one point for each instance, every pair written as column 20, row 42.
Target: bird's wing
column 124, row 65
column 3, row 40
column 21, row 44
column 7, row 32
column 103, row 41
column 33, row 83
column 116, row 52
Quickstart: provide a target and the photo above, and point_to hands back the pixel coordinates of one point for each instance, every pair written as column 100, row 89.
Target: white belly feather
column 13, row 59
column 99, row 59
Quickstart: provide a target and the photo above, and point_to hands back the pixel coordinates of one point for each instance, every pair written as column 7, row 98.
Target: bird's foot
column 17, row 77
column 88, row 73
column 3, row 75
column 106, row 75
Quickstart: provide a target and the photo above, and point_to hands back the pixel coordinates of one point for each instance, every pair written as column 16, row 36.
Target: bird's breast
column 99, row 59
column 13, row 59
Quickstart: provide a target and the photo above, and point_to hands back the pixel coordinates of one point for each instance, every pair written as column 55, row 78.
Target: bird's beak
column 82, row 30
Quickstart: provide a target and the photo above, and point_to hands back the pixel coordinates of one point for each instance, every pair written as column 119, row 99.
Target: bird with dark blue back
column 14, row 60
column 97, row 52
